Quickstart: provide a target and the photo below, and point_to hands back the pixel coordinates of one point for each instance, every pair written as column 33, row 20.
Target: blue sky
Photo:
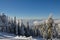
column 30, row 8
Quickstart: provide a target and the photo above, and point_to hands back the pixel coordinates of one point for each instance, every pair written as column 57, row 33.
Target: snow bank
column 23, row 37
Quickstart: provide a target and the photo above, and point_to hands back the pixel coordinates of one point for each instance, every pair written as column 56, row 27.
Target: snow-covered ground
column 7, row 36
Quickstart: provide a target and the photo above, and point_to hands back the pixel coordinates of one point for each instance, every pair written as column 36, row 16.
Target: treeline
column 45, row 30
column 10, row 25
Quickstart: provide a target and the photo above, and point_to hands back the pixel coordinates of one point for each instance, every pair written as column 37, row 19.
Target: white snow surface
column 8, row 36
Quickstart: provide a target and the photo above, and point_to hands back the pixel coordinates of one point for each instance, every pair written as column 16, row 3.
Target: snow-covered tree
column 27, row 30
column 49, row 24
column 22, row 29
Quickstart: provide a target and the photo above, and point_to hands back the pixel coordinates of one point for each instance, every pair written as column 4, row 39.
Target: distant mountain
column 39, row 20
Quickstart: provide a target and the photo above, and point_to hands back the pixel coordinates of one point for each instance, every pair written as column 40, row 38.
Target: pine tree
column 22, row 29
column 27, row 31
column 15, row 25
column 50, row 27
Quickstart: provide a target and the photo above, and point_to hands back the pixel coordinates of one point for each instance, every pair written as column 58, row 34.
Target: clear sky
column 30, row 8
